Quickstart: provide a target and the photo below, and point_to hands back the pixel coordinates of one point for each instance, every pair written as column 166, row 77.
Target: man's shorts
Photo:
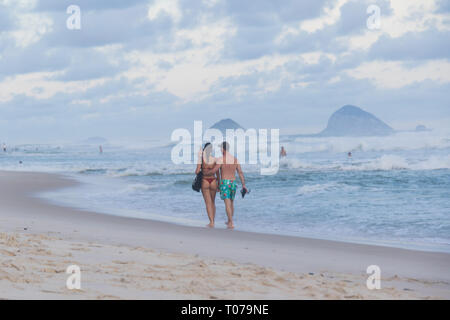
column 227, row 189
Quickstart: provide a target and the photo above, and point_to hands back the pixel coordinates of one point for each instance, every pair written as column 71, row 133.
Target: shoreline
column 415, row 274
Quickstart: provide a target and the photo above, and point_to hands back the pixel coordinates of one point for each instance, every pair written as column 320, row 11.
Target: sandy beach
column 128, row 258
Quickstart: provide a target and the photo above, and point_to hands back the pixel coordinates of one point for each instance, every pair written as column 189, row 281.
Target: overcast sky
column 141, row 68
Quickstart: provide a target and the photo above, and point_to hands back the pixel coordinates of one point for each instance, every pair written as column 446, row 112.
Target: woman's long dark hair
column 206, row 145
column 208, row 154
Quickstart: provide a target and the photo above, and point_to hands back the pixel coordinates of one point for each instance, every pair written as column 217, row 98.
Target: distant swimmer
column 4, row 147
column 100, row 149
column 349, row 154
column 283, row 152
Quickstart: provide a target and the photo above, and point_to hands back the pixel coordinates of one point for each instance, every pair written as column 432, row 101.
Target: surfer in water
column 210, row 181
column 283, row 152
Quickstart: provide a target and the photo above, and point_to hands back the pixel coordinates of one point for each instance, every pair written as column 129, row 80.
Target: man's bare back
column 229, row 165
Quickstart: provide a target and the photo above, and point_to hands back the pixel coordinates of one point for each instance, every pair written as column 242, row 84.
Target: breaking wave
column 385, row 162
column 402, row 141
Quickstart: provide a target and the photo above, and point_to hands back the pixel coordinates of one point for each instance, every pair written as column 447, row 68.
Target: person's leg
column 232, row 196
column 232, row 208
column 229, row 210
column 213, row 192
column 208, row 202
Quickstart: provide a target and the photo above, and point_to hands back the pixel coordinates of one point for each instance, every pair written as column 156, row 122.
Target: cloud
column 259, row 24
column 107, row 27
column 430, row 44
column 88, row 64
column 86, row 5
column 263, row 12
column 395, row 74
column 35, row 58
column 165, row 7
column 442, row 6
column 6, row 21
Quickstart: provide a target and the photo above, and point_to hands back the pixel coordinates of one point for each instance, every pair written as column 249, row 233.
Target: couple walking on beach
column 219, row 173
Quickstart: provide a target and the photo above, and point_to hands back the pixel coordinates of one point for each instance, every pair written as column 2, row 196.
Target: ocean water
column 393, row 191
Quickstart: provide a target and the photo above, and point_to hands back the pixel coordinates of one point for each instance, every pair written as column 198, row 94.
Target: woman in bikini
column 209, row 183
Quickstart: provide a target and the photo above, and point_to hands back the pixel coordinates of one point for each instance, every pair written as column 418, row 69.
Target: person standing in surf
column 209, row 182
column 283, row 152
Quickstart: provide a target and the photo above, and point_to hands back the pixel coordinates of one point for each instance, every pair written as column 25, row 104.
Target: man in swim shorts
column 227, row 166
column 227, row 189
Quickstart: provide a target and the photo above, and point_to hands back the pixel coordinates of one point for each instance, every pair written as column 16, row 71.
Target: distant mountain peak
column 348, row 108
column 350, row 120
column 225, row 124
column 421, row 128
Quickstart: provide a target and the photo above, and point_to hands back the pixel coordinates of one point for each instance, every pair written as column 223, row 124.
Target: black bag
column 197, row 183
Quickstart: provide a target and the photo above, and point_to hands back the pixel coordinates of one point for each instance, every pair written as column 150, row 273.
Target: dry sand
column 126, row 258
